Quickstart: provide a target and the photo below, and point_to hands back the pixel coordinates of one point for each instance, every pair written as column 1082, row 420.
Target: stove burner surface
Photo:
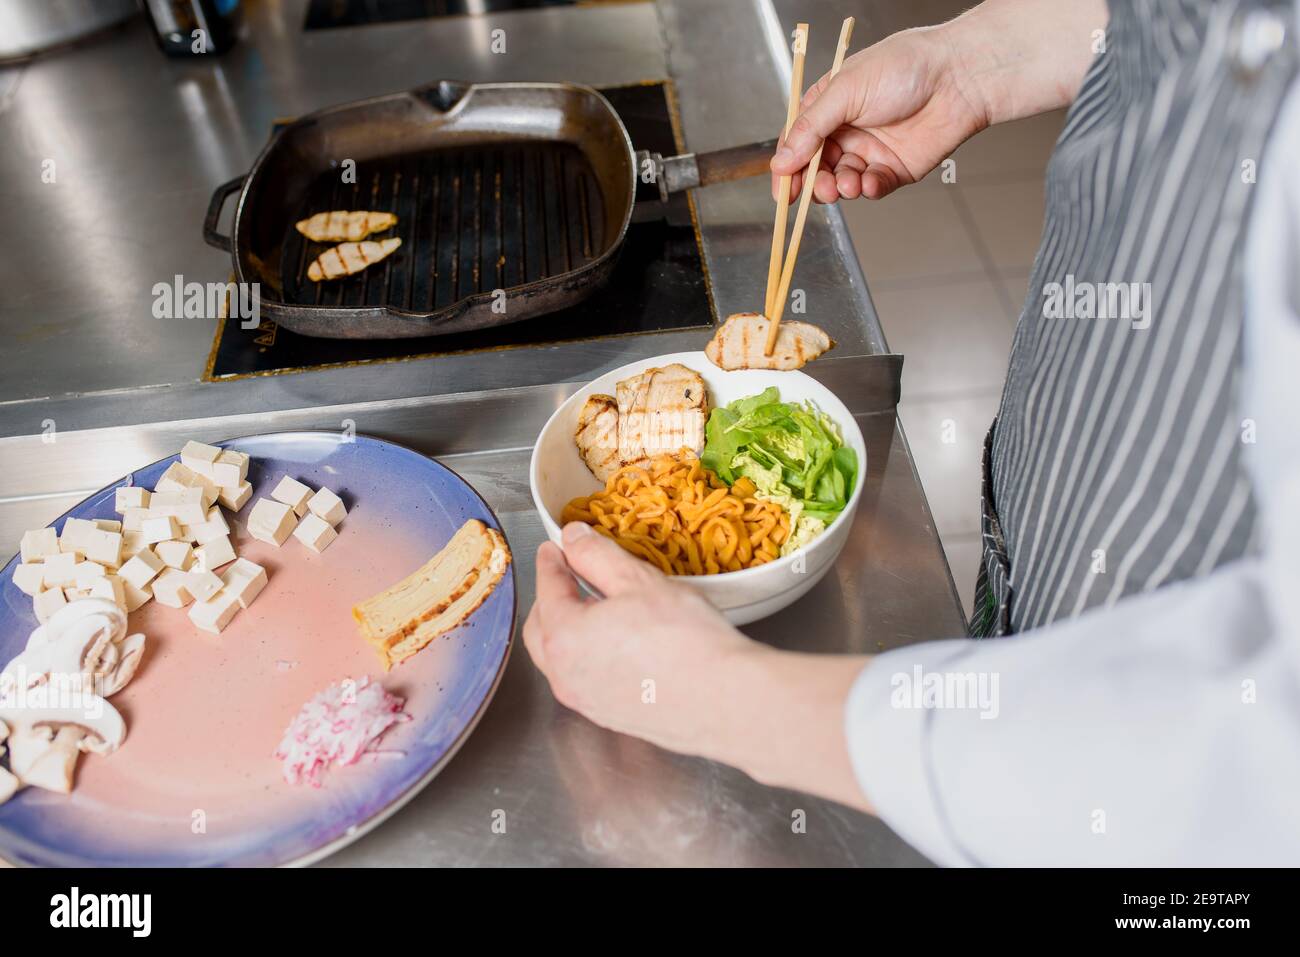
column 659, row 283
column 325, row 14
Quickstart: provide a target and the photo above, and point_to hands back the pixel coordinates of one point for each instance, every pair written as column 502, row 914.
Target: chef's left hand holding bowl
column 649, row 638
column 654, row 659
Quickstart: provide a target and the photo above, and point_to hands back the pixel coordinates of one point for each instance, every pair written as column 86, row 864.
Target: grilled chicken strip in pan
column 739, row 342
column 349, row 258
column 340, row 226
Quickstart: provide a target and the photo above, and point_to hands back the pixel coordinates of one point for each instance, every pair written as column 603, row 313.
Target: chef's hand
column 899, row 108
column 893, row 113
column 646, row 660
column 654, row 659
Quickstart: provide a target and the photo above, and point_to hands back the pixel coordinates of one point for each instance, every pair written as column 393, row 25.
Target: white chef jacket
column 1164, row 730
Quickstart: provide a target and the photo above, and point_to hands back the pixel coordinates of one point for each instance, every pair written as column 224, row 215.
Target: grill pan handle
column 676, row 173
column 738, row 162
column 219, row 197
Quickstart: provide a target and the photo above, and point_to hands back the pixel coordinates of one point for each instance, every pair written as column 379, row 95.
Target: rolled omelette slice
column 340, row 226
column 438, row 596
column 349, row 258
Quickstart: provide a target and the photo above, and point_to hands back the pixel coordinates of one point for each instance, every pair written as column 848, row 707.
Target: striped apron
column 1114, row 465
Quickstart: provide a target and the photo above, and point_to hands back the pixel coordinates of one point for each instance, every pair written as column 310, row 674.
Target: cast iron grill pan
column 472, row 220
column 527, row 188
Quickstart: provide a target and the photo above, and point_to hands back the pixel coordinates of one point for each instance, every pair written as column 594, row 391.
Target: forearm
column 780, row 717
column 1018, row 58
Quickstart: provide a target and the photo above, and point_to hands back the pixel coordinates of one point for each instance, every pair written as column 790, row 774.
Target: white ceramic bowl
column 557, row 474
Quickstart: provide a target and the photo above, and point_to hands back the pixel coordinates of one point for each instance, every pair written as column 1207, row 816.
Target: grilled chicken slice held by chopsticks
column 339, row 226
column 597, row 435
column 349, row 258
column 661, row 411
column 739, row 342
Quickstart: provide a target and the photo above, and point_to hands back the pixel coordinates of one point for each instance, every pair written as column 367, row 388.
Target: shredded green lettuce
column 792, row 452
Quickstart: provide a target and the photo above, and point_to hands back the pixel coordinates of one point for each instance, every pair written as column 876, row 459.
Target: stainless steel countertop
column 139, row 142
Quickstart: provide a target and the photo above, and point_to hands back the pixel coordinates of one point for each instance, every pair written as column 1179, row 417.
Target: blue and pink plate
column 195, row 783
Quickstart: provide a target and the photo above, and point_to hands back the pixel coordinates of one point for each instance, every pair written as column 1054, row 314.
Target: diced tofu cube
column 47, row 603
column 226, row 475
column 130, row 496
column 316, row 533
column 198, row 457
column 76, row 529
column 186, row 505
column 236, row 498
column 76, row 532
column 170, row 501
column 204, row 584
column 271, row 521
column 231, row 469
column 214, row 554
column 245, row 580
column 86, row 572
column 135, row 597
column 328, row 506
column 209, row 489
column 30, row 577
column 42, row 543
column 175, row 478
column 294, row 494
column 132, row 544
column 103, row 547
column 180, row 477
column 60, row 570
column 171, row 588
column 160, row 529
column 215, row 527
column 110, row 587
column 215, row 613
column 175, row 554
column 108, row 525
column 141, row 569
column 133, row 518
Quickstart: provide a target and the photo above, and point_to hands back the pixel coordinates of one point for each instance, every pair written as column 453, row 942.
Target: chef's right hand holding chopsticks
column 899, row 108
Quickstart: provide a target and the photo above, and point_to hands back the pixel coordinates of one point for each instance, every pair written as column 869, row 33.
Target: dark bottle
column 193, row 27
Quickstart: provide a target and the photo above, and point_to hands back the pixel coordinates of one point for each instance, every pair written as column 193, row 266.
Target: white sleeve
column 1165, row 730
column 1162, row 731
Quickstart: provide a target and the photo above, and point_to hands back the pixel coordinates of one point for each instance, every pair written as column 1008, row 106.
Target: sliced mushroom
column 55, row 769
column 83, row 643
column 130, row 651
column 103, row 733
column 69, row 616
column 83, row 648
column 25, row 746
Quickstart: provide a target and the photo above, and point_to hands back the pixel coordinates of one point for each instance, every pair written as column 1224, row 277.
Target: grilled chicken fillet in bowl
column 632, row 417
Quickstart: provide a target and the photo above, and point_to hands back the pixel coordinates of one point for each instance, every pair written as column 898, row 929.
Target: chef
column 1147, row 715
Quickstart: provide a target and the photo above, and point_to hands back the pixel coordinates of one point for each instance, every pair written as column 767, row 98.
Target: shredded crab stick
column 339, row 725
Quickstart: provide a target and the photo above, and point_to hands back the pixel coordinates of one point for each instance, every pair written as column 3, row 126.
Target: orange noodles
column 680, row 517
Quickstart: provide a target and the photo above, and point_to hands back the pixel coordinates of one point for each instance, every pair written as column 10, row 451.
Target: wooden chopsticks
column 775, row 304
column 783, row 200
